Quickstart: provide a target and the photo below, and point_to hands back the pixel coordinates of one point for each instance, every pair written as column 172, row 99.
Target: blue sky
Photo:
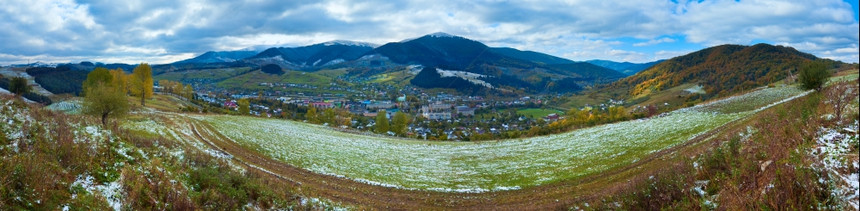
column 163, row 31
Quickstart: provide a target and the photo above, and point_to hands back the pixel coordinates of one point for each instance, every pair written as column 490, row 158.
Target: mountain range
column 502, row 68
column 219, row 57
column 464, row 64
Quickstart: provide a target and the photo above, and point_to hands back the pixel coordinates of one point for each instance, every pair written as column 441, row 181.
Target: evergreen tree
column 19, row 86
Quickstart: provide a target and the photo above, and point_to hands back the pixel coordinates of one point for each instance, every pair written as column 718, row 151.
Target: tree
column 344, row 118
column 381, row 122
column 104, row 101
column 188, row 92
column 19, row 86
column 401, row 122
column 120, row 80
column 98, row 77
column 813, row 75
column 311, row 115
column 141, row 82
column 244, row 106
column 328, row 116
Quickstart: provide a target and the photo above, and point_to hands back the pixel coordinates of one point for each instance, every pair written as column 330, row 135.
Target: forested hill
column 721, row 69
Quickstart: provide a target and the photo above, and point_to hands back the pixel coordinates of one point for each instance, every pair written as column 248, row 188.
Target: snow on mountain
column 471, row 77
column 441, row 34
column 350, row 43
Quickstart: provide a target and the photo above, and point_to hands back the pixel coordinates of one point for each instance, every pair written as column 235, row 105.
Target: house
column 379, row 105
column 436, row 111
column 465, row 110
column 230, row 104
column 321, row 105
column 551, row 117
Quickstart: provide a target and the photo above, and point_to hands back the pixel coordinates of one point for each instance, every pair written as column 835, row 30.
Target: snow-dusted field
column 485, row 166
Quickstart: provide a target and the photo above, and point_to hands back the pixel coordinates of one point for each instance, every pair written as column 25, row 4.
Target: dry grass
column 39, row 169
column 759, row 164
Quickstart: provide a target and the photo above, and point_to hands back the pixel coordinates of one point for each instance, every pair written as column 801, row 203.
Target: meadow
column 490, row 165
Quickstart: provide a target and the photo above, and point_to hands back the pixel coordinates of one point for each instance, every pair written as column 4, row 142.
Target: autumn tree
column 141, row 82
column 344, row 118
column 813, row 75
column 188, row 92
column 328, row 116
column 311, row 115
column 19, row 86
column 244, row 106
column 103, row 99
column 98, row 77
column 381, row 122
column 120, row 80
column 401, row 122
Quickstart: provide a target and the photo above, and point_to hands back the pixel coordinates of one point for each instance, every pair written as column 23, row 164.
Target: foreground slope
column 482, row 166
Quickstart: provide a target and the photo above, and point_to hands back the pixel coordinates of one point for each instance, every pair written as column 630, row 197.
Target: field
column 204, row 74
column 537, row 112
column 483, row 166
column 253, row 79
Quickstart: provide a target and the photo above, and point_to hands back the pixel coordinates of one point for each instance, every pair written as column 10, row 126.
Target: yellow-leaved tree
column 140, row 83
column 120, row 80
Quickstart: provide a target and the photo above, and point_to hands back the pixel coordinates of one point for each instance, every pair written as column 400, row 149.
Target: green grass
column 538, row 112
column 253, row 79
column 205, row 74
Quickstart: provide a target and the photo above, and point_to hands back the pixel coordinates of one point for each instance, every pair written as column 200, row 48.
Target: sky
column 165, row 31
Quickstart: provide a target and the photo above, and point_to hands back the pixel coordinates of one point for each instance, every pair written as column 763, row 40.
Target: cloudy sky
column 163, row 31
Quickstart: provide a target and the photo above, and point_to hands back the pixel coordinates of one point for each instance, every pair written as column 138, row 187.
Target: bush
column 813, row 75
column 19, row 86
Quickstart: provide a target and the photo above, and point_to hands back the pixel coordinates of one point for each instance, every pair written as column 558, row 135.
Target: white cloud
column 654, row 42
column 579, row 30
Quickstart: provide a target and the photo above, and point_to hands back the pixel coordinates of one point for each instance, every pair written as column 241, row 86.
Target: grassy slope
column 253, row 79
column 771, row 161
column 538, row 112
column 204, row 74
column 451, row 166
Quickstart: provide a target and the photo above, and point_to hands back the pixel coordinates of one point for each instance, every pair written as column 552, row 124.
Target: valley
column 439, row 122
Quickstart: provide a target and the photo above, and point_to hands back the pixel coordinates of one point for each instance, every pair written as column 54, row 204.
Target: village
column 445, row 116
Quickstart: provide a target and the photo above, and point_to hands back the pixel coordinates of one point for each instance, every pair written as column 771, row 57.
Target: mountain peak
column 441, row 34
column 350, row 43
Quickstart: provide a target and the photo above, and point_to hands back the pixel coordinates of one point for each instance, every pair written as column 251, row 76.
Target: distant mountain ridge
column 628, row 68
column 312, row 57
column 218, row 57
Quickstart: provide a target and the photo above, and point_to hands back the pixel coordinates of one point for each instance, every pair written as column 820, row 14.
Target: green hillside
column 252, row 79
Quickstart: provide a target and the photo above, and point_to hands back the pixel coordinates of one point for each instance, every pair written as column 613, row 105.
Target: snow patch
column 834, row 152
column 350, row 43
column 112, row 191
column 471, row 77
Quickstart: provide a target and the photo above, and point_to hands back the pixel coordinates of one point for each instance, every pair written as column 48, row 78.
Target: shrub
column 813, row 75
